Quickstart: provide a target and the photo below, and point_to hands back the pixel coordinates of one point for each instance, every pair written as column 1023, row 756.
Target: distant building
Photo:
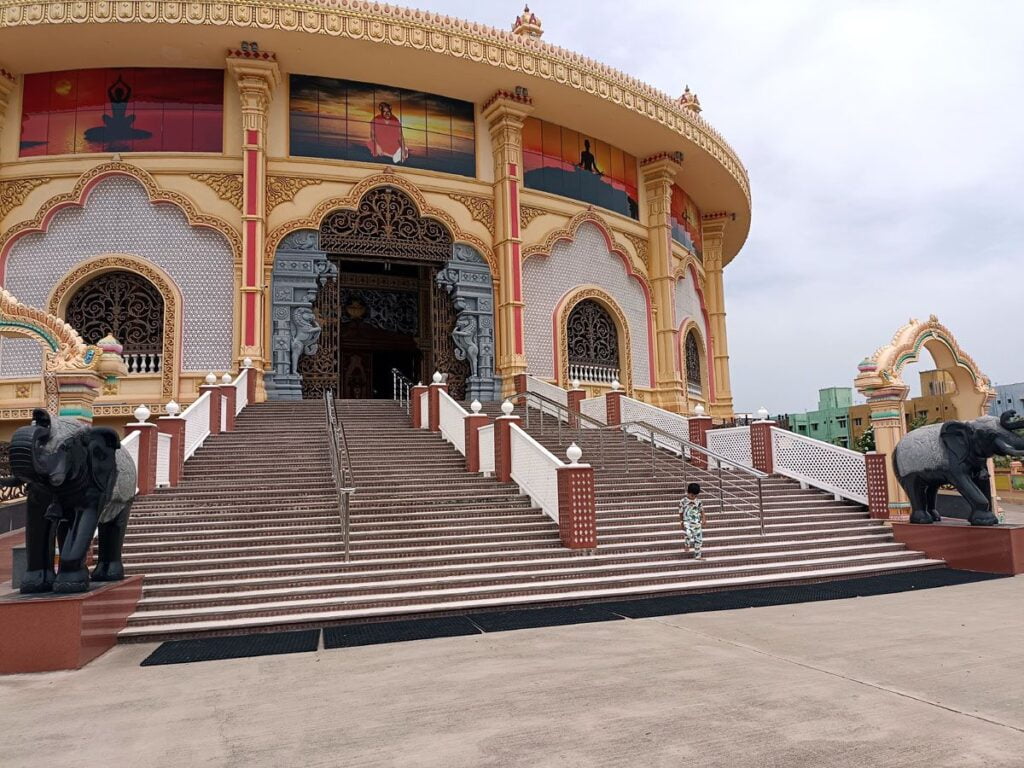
column 1009, row 397
column 933, row 406
column 831, row 421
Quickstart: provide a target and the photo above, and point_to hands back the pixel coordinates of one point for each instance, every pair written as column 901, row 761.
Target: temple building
column 337, row 191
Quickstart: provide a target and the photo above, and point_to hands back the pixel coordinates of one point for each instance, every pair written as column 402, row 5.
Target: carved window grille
column 126, row 306
column 593, row 341
column 693, row 377
column 386, row 224
column 443, row 321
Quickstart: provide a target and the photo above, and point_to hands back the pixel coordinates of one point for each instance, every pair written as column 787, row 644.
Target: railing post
column 520, row 382
column 613, row 407
column 214, row 390
column 699, row 426
column 250, row 383
column 574, row 397
column 147, row 454
column 434, row 403
column 503, row 447
column 761, row 446
column 230, row 395
column 415, row 415
column 577, row 507
column 473, row 423
column 876, row 468
column 175, row 427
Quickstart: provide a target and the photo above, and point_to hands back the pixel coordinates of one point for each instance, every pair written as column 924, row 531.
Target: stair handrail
column 400, row 388
column 628, row 429
column 341, row 469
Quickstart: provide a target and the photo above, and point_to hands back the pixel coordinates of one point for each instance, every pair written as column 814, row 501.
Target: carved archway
column 172, row 303
column 560, row 332
column 693, row 362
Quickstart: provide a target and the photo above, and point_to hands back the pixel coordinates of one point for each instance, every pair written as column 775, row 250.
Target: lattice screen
column 822, row 465
column 733, row 443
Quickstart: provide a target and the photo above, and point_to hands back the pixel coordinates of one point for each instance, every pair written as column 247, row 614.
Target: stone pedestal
column 613, row 407
column 503, row 447
column 474, row 422
column 966, row 547
column 284, row 386
column 175, row 427
column 416, row 405
column 214, row 392
column 434, row 406
column 699, row 426
column 577, row 507
column 573, row 399
column 761, row 446
column 229, row 395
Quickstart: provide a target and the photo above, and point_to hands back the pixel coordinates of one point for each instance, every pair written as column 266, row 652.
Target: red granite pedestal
column 966, row 547
column 42, row 634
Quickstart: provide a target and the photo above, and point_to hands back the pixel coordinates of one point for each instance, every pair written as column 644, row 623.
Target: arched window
column 126, row 306
column 693, row 377
column 593, row 342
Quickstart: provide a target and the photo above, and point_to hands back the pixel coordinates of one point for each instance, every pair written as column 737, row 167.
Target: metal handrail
column 341, row 469
column 719, row 459
column 400, row 388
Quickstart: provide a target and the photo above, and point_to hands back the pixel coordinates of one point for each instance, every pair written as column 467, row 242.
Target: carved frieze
column 640, row 244
column 528, row 213
column 282, row 189
column 14, row 191
column 228, row 186
column 480, row 208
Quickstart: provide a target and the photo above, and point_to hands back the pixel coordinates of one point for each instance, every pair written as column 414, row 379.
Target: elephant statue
column 78, row 480
column 955, row 453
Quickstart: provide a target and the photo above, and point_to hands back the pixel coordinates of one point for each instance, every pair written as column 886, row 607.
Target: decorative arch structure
column 704, row 333
column 560, row 332
column 88, row 270
column 687, row 327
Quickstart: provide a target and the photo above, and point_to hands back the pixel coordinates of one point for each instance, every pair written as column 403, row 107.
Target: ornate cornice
column 14, row 191
column 282, row 189
column 528, row 213
column 407, row 28
column 228, row 186
column 479, row 207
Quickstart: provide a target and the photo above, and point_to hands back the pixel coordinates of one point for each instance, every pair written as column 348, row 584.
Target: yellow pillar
column 505, row 113
column 7, row 83
column 256, row 75
column 658, row 174
column 713, row 232
column 888, row 418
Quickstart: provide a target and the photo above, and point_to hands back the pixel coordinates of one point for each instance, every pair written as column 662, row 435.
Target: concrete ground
column 931, row 678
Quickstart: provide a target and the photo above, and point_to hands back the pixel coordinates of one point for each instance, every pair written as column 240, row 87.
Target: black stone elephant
column 955, row 453
column 78, row 480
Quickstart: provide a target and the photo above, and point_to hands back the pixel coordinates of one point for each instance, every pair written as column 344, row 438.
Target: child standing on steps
column 691, row 515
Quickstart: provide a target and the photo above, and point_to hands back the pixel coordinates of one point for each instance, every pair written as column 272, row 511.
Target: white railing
column 131, row 446
column 594, row 374
column 551, row 392
column 534, row 468
column 163, row 460
column 839, row 471
column 486, row 449
column 241, row 385
column 676, row 425
column 733, row 443
column 595, row 408
column 137, row 362
column 197, row 424
column 424, row 411
column 223, row 414
column 452, row 420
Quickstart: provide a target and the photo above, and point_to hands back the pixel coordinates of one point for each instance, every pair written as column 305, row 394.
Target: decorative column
column 256, row 74
column 889, row 422
column 699, row 424
column 505, row 113
column 76, row 393
column 658, row 174
column 473, row 423
column 714, row 292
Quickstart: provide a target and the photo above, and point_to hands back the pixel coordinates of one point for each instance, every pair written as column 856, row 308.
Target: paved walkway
column 929, row 679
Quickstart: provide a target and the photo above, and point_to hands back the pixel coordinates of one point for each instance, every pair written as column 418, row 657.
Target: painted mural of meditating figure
column 118, row 126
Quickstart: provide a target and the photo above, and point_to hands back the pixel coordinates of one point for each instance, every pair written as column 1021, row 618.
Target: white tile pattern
column 118, row 218
column 688, row 305
column 586, row 260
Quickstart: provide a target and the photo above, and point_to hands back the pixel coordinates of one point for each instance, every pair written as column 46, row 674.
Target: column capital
column 661, row 168
column 256, row 75
column 507, row 107
column 713, row 228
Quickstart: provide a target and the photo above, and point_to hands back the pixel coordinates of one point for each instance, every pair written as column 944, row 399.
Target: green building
column 831, row 422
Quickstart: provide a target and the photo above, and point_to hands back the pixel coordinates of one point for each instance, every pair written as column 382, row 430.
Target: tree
column 866, row 442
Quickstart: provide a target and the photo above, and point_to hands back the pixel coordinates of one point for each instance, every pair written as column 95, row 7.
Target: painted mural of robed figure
column 386, row 139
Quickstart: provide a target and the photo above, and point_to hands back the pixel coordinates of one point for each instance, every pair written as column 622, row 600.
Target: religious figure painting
column 348, row 120
column 123, row 110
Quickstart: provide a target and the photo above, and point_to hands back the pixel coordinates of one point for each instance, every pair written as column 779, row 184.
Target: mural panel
column 571, row 164
column 123, row 110
column 348, row 120
column 685, row 221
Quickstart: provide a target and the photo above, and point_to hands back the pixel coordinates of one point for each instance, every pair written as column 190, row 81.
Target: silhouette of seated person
column 117, row 126
column 587, row 161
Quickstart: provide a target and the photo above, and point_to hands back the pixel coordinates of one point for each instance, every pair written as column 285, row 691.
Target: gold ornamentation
column 65, row 351
column 405, row 28
column 15, row 414
column 126, row 410
column 14, row 191
column 22, row 391
column 228, row 186
column 111, row 386
column 282, row 189
column 528, row 213
column 172, row 303
column 625, row 345
column 480, row 208
column 640, row 244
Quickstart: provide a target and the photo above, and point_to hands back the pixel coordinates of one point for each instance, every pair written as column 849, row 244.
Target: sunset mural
column 685, row 221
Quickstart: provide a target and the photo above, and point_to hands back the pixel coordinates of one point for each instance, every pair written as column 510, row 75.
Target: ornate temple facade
column 336, row 191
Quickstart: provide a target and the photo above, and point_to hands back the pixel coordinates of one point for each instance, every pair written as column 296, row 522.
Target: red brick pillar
column 415, row 412
column 577, row 508
column 250, row 383
column 474, row 421
column 575, row 397
column 877, row 468
column 175, row 427
column 699, row 426
column 214, row 391
column 520, row 382
column 147, row 454
column 503, row 447
column 761, row 445
column 613, row 407
column 230, row 395
column 434, row 404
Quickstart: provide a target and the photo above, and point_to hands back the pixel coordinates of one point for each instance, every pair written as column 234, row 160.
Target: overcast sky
column 885, row 146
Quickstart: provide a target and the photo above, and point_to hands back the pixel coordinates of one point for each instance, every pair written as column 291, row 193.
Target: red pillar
column 699, row 426
column 761, row 445
column 577, row 508
column 474, row 422
column 230, row 395
column 250, row 385
column 575, row 397
column 503, row 447
column 415, row 411
column 520, row 382
column 214, row 391
column 147, row 455
column 877, row 468
column 613, row 407
column 175, row 427
column 434, row 404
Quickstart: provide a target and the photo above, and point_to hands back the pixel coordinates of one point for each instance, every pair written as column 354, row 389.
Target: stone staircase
column 251, row 538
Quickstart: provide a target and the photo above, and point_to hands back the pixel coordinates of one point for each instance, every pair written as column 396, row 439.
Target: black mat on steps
column 351, row 635
column 233, row 647
column 503, row 621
